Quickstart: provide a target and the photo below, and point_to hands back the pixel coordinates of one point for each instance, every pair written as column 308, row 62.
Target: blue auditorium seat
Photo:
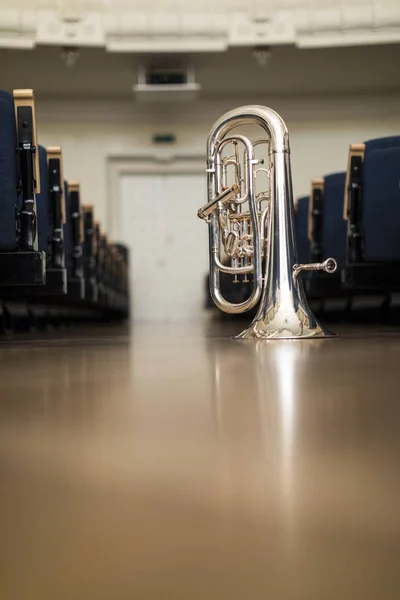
column 327, row 238
column 381, row 204
column 42, row 203
column 76, row 282
column 89, row 260
column 334, row 227
column 67, row 232
column 20, row 261
column 8, row 172
column 373, row 210
column 301, row 224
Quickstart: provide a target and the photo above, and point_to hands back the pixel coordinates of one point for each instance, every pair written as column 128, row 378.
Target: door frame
column 158, row 162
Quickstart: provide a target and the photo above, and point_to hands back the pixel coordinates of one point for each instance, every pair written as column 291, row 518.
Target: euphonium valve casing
column 259, row 241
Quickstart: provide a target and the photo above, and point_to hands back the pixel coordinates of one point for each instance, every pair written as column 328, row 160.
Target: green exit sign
column 164, row 138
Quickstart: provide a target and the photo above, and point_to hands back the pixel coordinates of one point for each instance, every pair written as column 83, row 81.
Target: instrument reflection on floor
column 254, row 228
column 262, row 461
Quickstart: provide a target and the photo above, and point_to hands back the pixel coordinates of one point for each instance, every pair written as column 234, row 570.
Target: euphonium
column 253, row 229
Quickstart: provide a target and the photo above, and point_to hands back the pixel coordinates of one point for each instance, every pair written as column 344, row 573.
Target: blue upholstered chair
column 119, row 264
column 372, row 207
column 21, row 260
column 327, row 238
column 8, row 172
column 89, row 258
column 124, row 278
column 67, row 232
column 334, row 227
column 42, row 203
column 73, row 245
column 50, row 203
column 381, row 205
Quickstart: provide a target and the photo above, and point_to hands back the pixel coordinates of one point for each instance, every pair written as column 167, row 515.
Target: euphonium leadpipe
column 263, row 232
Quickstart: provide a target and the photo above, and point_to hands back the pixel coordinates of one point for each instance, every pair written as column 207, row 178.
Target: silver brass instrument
column 250, row 228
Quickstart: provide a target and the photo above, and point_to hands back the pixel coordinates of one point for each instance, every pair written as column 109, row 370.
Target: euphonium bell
column 252, row 229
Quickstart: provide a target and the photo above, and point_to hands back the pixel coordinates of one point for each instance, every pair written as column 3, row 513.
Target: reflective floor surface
column 179, row 464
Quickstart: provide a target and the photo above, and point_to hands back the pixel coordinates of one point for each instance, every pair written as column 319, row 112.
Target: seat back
column 56, row 205
column 67, row 230
column 42, row 203
column 334, row 227
column 77, row 228
column 382, row 143
column 28, row 165
column 8, row 172
column 89, row 241
column 124, row 266
column 301, row 221
column 381, row 204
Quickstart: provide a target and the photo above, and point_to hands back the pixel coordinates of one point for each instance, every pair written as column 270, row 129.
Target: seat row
column 354, row 216
column 55, row 259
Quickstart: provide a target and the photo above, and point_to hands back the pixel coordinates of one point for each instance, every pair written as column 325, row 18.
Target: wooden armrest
column 25, row 98
column 316, row 184
column 82, row 227
column 74, row 186
column 355, row 150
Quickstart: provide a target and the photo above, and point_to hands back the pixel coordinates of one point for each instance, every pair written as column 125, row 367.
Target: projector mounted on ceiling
column 162, row 84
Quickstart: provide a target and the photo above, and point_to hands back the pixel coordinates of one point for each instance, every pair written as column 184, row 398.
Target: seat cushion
column 381, row 204
column 8, row 172
column 301, row 226
column 334, row 234
column 42, row 203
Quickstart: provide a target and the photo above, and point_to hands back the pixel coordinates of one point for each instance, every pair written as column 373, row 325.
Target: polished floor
column 179, row 464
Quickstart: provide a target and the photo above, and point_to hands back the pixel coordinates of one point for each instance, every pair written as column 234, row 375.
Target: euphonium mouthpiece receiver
column 226, row 196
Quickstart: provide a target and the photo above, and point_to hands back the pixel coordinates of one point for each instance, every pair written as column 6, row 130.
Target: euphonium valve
column 250, row 218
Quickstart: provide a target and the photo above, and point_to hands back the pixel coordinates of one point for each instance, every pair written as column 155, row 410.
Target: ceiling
column 98, row 74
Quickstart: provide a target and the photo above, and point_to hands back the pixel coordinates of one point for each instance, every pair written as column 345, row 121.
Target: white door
column 168, row 244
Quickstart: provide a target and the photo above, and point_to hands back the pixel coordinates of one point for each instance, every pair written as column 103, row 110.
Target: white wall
column 321, row 130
